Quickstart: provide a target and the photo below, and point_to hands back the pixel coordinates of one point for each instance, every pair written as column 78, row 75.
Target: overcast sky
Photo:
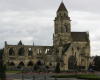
column 32, row 20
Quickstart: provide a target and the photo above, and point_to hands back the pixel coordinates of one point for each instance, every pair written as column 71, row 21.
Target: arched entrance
column 21, row 52
column 21, row 64
column 71, row 62
column 11, row 51
column 30, row 64
column 11, row 64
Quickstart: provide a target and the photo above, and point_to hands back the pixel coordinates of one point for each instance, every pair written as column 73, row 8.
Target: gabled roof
column 62, row 7
column 79, row 36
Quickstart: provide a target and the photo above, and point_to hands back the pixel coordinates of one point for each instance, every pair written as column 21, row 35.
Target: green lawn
column 89, row 77
column 13, row 71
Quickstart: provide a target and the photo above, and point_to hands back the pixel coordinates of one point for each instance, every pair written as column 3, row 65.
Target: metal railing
column 34, row 78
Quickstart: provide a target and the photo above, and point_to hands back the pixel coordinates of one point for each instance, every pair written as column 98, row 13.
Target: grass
column 13, row 71
column 89, row 77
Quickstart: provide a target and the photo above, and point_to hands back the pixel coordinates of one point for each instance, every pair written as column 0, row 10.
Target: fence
column 34, row 78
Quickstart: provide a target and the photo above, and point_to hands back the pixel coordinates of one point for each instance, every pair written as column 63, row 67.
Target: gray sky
column 32, row 20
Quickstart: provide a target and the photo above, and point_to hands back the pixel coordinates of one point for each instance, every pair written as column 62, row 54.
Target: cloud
column 33, row 21
column 26, row 26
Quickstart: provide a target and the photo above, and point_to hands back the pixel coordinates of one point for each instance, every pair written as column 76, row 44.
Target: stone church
column 69, row 48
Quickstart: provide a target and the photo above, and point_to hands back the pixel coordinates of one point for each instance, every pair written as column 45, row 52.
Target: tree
column 97, row 63
column 57, row 70
column 2, row 70
column 90, row 66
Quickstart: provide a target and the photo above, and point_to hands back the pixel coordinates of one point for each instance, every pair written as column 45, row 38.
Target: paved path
column 38, row 77
column 53, row 79
column 98, row 74
column 19, row 76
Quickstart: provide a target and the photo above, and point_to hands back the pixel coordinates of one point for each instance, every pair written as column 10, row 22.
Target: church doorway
column 30, row 64
column 21, row 64
column 72, row 62
column 11, row 64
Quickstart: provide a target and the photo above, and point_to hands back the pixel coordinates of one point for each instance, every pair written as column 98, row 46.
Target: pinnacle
column 62, row 7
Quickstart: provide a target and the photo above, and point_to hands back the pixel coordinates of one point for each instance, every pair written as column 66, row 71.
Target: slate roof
column 79, row 36
column 62, row 7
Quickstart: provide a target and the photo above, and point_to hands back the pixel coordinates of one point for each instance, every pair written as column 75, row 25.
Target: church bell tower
column 62, row 27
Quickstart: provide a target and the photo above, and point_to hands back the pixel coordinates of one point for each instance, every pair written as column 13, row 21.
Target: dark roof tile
column 79, row 36
column 62, row 7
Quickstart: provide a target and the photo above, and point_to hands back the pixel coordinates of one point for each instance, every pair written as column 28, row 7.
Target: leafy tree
column 57, row 70
column 21, row 51
column 97, row 63
column 2, row 70
column 90, row 66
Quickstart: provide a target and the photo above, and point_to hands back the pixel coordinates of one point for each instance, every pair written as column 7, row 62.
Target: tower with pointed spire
column 62, row 26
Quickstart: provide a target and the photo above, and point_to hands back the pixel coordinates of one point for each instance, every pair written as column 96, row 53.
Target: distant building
column 69, row 48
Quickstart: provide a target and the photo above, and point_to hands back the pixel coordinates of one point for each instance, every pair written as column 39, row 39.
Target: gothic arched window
column 65, row 28
column 11, row 64
column 72, row 62
column 39, row 51
column 46, row 51
column 30, row 52
column 21, row 51
column 11, row 51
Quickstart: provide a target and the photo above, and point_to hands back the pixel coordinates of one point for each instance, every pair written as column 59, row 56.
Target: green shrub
column 89, row 77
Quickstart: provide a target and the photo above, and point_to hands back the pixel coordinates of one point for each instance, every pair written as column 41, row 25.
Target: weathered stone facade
column 69, row 48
